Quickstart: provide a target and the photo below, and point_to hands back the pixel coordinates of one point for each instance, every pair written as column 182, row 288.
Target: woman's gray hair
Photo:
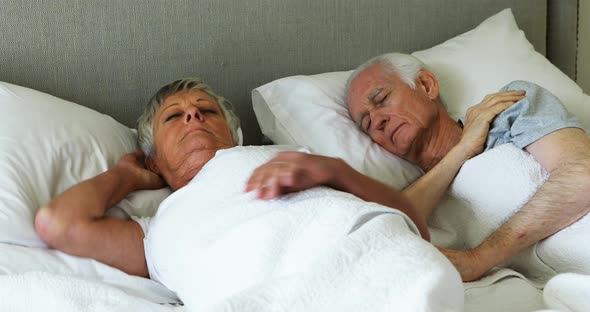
column 145, row 129
column 406, row 66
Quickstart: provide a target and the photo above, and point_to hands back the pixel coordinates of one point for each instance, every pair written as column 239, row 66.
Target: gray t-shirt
column 530, row 119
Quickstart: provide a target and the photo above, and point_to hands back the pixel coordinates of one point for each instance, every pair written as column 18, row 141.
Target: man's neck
column 444, row 136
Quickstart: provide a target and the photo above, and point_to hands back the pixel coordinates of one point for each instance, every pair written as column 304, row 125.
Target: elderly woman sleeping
column 189, row 137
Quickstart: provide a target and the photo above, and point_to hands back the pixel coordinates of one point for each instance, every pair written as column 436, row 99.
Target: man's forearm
column 560, row 201
column 426, row 192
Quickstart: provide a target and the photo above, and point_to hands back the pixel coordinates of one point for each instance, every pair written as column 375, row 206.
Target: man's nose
column 378, row 120
column 193, row 113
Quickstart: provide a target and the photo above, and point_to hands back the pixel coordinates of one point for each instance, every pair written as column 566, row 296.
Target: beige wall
column 584, row 46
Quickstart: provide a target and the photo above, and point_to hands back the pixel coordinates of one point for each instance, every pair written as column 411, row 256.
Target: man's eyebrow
column 374, row 94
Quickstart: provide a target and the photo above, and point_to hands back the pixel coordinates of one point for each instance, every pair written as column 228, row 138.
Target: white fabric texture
column 489, row 189
column 48, row 145
column 42, row 291
column 311, row 110
column 568, row 292
column 18, row 260
column 502, row 290
column 220, row 249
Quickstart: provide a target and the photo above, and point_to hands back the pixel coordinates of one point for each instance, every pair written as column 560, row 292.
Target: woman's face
column 189, row 127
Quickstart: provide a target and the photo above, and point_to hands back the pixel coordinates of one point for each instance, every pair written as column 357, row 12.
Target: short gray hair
column 145, row 129
column 406, row 66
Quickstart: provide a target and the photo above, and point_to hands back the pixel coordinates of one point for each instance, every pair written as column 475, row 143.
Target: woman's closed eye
column 172, row 116
column 208, row 111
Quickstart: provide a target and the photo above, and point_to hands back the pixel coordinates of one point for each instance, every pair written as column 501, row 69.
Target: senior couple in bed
column 395, row 100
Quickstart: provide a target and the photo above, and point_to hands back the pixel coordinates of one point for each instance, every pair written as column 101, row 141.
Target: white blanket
column 221, row 249
column 487, row 191
column 568, row 292
column 42, row 291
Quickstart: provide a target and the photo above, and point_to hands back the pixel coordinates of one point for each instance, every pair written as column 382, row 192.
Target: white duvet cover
column 334, row 254
column 221, row 249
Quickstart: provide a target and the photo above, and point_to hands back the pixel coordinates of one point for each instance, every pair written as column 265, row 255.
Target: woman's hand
column 133, row 166
column 290, row 172
column 480, row 116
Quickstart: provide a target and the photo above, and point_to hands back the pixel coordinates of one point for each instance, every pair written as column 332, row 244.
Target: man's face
column 189, row 127
column 393, row 114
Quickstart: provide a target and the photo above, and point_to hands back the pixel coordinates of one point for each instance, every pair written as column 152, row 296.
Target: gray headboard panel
column 113, row 55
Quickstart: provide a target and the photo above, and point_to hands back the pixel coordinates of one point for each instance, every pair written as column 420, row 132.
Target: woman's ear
column 151, row 165
column 429, row 84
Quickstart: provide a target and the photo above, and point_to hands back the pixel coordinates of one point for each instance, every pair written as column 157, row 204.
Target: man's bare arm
column 426, row 193
column 75, row 221
column 562, row 199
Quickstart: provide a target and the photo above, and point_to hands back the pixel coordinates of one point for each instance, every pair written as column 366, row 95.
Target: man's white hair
column 405, row 66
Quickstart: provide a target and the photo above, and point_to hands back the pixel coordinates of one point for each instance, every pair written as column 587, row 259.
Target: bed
column 74, row 76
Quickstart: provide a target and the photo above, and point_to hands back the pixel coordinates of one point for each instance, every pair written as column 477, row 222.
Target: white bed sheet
column 18, row 260
column 34, row 290
column 503, row 290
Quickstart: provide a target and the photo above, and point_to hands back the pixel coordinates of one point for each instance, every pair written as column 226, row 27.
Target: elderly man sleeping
column 336, row 238
column 396, row 101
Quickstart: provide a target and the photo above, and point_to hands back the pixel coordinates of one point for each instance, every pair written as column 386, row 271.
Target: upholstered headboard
column 113, row 55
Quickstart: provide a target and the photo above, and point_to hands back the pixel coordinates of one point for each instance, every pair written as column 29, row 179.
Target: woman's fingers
column 270, row 178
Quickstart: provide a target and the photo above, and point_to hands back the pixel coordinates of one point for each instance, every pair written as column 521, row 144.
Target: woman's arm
column 75, row 220
column 295, row 171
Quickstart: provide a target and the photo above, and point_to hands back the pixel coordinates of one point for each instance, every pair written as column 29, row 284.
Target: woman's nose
column 193, row 114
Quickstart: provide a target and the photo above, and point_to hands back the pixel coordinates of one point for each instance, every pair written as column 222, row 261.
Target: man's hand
column 466, row 262
column 142, row 178
column 292, row 172
column 480, row 116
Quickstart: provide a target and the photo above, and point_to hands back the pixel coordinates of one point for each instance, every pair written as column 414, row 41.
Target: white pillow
column 496, row 52
column 311, row 110
column 47, row 145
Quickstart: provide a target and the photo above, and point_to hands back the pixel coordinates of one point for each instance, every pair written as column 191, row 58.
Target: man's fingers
column 501, row 106
column 488, row 114
column 509, row 92
column 502, row 98
column 505, row 98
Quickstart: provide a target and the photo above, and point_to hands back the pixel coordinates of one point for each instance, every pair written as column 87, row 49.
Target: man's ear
column 150, row 163
column 428, row 82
